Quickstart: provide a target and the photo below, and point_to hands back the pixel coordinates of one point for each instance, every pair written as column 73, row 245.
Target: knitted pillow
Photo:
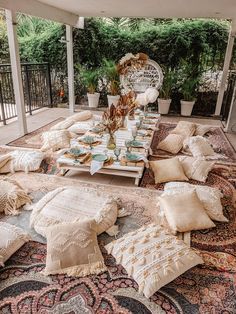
column 184, row 128
column 11, row 239
column 152, row 257
column 173, row 143
column 198, row 146
column 12, row 197
column 72, row 249
column 68, row 204
column 56, row 139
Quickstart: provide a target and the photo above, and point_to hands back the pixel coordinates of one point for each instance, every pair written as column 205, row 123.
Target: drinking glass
column 127, row 145
column 134, row 132
column 117, row 152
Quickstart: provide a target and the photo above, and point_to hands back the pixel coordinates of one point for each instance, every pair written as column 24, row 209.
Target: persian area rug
column 216, row 137
column 32, row 139
column 208, row 288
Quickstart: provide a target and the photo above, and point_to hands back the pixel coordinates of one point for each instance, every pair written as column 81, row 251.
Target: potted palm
column 112, row 82
column 90, row 79
column 164, row 99
column 189, row 92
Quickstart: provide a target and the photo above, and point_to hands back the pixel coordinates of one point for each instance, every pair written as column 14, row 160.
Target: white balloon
column 151, row 94
column 141, row 99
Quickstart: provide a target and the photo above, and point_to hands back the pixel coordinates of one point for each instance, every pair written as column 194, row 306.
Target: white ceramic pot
column 93, row 100
column 113, row 100
column 163, row 105
column 186, row 107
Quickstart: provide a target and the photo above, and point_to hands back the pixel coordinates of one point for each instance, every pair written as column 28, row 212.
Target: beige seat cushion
column 11, row 239
column 210, row 197
column 56, row 139
column 198, row 146
column 80, row 116
column 184, row 128
column 81, row 127
column 185, row 212
column 173, row 143
column 167, row 170
column 152, row 257
column 196, row 168
column 68, row 204
column 4, row 160
column 72, row 249
column 202, row 129
column 12, row 197
column 63, row 125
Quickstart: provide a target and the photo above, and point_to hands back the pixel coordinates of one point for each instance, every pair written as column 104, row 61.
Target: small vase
column 111, row 143
column 124, row 122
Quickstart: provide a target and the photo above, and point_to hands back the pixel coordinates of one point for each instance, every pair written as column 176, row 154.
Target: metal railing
column 36, row 86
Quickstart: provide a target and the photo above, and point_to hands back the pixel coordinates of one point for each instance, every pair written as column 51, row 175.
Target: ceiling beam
column 42, row 10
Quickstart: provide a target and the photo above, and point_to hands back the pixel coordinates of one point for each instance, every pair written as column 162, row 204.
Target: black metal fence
column 36, row 86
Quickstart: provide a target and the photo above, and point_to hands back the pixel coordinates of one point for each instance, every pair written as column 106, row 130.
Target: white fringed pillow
column 202, row 129
column 196, row 168
column 11, row 239
column 198, row 146
column 72, row 249
column 184, row 128
column 63, row 125
column 56, row 139
column 68, row 204
column 12, row 197
column 173, row 143
column 152, row 257
column 80, row 116
column 210, row 197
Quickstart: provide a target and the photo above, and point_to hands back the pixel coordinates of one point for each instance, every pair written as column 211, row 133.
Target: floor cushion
column 198, row 146
column 152, row 257
column 55, row 139
column 80, row 116
column 184, row 128
column 63, row 125
column 81, row 127
column 173, row 143
column 202, row 129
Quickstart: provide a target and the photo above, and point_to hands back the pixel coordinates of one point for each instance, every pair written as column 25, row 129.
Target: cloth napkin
column 96, row 166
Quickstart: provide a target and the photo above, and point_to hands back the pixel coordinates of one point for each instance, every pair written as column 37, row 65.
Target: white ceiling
column 149, row 8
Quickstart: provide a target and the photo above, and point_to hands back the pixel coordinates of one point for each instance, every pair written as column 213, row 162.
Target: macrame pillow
column 68, row 204
column 198, row 146
column 173, row 143
column 81, row 116
column 202, row 129
column 210, row 197
column 196, row 168
column 72, row 249
column 167, row 170
column 184, row 128
column 63, row 125
column 56, row 139
column 152, row 257
column 12, row 197
column 185, row 212
column 11, row 239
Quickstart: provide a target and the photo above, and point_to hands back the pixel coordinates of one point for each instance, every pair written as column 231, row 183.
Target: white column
column 16, row 70
column 70, row 67
column 227, row 60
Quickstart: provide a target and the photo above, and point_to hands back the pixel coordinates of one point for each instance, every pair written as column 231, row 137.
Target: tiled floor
column 10, row 132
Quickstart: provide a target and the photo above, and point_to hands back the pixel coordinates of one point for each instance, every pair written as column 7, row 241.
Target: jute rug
column 209, row 288
column 32, row 139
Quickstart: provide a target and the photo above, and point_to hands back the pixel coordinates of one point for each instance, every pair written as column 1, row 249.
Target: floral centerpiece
column 112, row 121
column 131, row 61
column 126, row 106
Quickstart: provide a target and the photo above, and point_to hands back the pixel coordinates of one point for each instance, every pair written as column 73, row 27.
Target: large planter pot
column 93, row 100
column 113, row 100
column 163, row 105
column 186, row 107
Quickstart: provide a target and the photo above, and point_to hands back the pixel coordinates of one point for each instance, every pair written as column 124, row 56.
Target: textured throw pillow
column 81, row 127
column 202, row 129
column 56, row 139
column 12, row 197
column 80, row 116
column 196, row 168
column 11, row 239
column 4, row 160
column 173, row 143
column 167, row 170
column 73, row 249
column 198, row 146
column 153, row 257
column 210, row 197
column 63, row 125
column 184, row 128
column 68, row 204
column 185, row 212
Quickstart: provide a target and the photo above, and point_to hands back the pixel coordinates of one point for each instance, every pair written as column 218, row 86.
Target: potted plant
column 90, row 79
column 112, row 81
column 164, row 99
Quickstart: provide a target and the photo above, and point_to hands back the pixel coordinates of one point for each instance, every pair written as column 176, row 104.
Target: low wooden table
column 116, row 169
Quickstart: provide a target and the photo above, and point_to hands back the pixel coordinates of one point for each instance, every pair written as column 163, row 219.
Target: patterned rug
column 216, row 137
column 32, row 139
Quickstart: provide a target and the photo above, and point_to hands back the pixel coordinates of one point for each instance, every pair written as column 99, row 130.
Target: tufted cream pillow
column 185, row 212
column 68, row 204
column 72, row 249
column 173, row 143
column 12, row 197
column 152, row 257
column 196, row 168
column 63, row 125
column 202, row 129
column 80, row 116
column 198, row 146
column 210, row 197
column 11, row 239
column 184, row 128
column 167, row 170
column 56, row 139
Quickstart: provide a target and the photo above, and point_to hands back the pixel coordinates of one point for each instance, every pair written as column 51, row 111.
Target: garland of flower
column 130, row 61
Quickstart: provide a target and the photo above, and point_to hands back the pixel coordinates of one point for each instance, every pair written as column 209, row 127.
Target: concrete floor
column 40, row 118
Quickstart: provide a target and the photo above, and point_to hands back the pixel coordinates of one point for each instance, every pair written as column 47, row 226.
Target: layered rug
column 216, row 137
column 33, row 139
column 208, row 288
